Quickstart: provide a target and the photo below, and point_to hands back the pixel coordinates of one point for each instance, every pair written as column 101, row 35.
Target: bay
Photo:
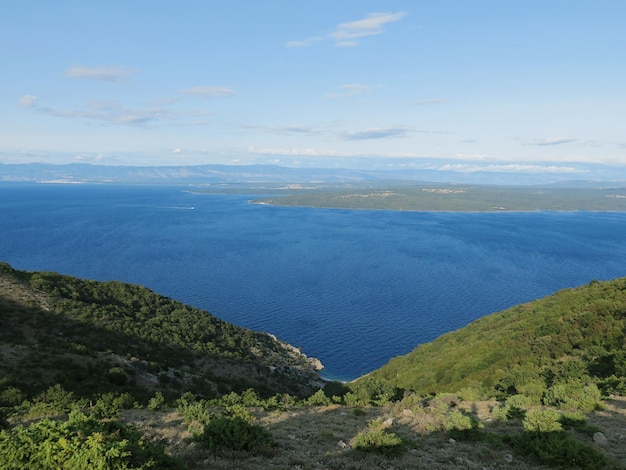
column 352, row 288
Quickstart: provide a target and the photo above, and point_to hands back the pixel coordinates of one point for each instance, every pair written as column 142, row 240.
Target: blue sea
column 352, row 288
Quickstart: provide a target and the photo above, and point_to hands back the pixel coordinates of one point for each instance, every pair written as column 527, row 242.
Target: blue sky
column 462, row 85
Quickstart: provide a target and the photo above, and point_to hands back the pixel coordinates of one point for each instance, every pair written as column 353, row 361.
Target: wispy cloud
column 101, row 72
column 376, row 133
column 28, row 101
column 548, row 142
column 295, row 130
column 347, row 34
column 209, row 91
column 296, row 151
column 427, row 102
column 350, row 89
column 111, row 112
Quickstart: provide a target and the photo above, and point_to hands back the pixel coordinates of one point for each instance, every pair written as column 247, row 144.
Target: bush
column 376, row 439
column 236, row 433
column 117, row 376
column 542, row 421
column 558, row 450
column 573, row 395
column 470, row 394
column 81, row 442
column 11, row 396
column 105, row 407
column 578, row 422
column 157, row 402
column 319, row 398
column 108, row 405
column 520, row 401
column 459, row 421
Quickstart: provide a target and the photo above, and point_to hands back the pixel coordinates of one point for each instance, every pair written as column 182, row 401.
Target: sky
column 461, row 85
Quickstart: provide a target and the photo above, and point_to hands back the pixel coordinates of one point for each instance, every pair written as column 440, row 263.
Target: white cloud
column 375, row 133
column 548, row 142
column 295, row 130
column 102, row 72
column 427, row 101
column 28, row 101
column 209, row 91
column 346, row 34
column 309, row 152
column 305, row 42
column 350, row 89
column 111, row 112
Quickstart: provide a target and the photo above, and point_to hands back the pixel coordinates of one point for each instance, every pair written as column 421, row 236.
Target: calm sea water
column 353, row 288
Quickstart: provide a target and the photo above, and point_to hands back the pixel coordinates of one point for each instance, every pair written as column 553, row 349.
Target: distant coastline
column 454, row 198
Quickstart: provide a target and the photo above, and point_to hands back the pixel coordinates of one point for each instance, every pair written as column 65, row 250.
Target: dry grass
column 612, row 422
column 319, row 438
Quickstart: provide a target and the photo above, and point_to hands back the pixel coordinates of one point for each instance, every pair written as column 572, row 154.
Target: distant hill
column 189, row 174
column 93, row 337
column 209, row 174
column 574, row 337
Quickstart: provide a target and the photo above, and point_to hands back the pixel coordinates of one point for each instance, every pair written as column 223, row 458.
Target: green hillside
column 93, row 337
column 573, row 338
column 110, row 375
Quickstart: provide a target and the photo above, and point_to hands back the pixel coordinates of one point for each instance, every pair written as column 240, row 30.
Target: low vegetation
column 102, row 375
column 454, row 197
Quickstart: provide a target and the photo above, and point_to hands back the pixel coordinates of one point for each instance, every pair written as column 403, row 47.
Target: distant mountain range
column 237, row 174
column 200, row 174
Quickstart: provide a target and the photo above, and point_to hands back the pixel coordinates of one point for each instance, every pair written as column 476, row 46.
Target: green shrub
column 376, row 439
column 359, row 398
column 157, row 402
column 108, row 405
column 458, row 420
column 239, row 411
column 520, row 401
column 117, row 376
column 105, row 407
column 542, row 421
column 196, row 415
column 250, row 398
column 578, row 422
column 11, row 396
column 236, row 433
column 533, row 390
column 574, row 395
column 558, row 450
column 470, row 394
column 319, row 398
column 81, row 442
column 499, row 412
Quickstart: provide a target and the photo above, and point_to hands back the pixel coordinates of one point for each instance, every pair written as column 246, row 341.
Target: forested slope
column 93, row 336
column 570, row 339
